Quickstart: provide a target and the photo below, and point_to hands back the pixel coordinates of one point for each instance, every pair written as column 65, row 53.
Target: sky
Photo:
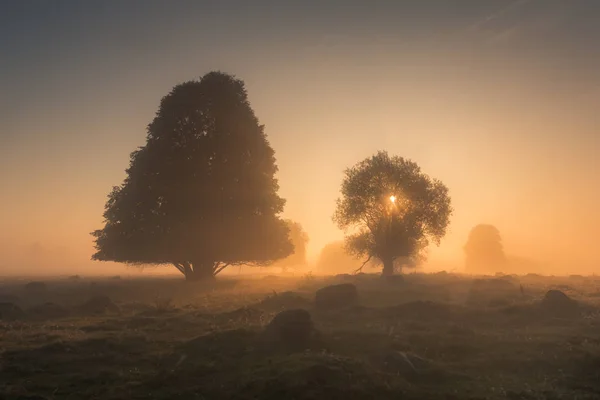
column 496, row 98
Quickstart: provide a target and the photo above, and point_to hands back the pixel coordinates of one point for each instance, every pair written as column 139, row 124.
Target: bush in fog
column 391, row 210
column 484, row 252
column 201, row 194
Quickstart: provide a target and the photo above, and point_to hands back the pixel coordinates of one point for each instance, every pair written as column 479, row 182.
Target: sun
column 393, row 198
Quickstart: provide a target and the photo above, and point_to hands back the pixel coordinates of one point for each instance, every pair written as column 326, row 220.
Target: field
column 428, row 336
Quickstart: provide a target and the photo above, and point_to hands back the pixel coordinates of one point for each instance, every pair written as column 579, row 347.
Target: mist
column 339, row 199
column 480, row 102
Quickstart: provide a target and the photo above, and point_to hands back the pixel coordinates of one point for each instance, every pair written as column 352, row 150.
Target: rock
column 99, row 305
column 290, row 328
column 48, row 311
column 556, row 297
column 10, row 311
column 558, row 303
column 36, row 286
column 336, row 296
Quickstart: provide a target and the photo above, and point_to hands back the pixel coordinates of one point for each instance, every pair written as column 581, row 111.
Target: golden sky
column 500, row 104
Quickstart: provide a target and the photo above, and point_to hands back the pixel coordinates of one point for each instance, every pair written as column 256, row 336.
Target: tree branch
column 179, row 267
column 363, row 265
column 217, row 268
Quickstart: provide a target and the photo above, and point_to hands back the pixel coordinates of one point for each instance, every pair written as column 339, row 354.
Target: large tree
column 391, row 210
column 484, row 252
column 201, row 194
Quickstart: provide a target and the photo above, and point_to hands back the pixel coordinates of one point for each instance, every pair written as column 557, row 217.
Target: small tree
column 391, row 210
column 484, row 251
column 201, row 194
column 299, row 239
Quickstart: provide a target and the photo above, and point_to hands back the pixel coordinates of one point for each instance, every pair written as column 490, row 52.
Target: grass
column 430, row 337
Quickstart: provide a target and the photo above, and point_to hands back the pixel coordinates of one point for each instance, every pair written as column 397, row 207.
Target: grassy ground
column 431, row 337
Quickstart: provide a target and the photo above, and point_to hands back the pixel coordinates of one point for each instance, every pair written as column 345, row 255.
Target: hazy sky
column 499, row 99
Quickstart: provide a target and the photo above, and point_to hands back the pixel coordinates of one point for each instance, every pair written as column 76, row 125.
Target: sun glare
column 393, row 198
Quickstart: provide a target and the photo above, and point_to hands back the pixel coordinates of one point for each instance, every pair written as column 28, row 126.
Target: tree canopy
column 484, row 252
column 202, row 193
column 391, row 210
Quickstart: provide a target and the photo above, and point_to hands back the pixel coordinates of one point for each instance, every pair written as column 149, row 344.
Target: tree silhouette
column 299, row 239
column 201, row 194
column 484, row 251
column 390, row 209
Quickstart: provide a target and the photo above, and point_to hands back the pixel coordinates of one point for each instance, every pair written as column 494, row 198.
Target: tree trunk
column 199, row 272
column 388, row 267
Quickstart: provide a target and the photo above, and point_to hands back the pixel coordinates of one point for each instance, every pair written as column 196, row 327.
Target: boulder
column 290, row 329
column 336, row 296
column 558, row 303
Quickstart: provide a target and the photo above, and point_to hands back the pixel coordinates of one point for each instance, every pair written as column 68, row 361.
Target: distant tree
column 299, row 239
column 391, row 210
column 334, row 259
column 201, row 194
column 484, row 252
